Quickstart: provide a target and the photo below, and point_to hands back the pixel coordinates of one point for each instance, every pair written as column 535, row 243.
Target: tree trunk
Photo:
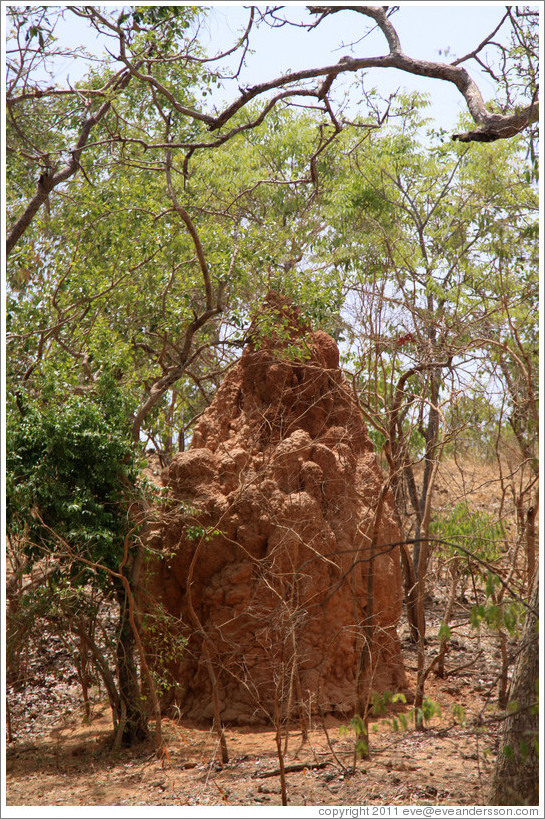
column 516, row 775
column 414, row 615
column 135, row 728
column 531, row 541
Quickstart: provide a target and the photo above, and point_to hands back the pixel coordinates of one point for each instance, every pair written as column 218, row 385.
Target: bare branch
column 491, row 126
column 473, row 54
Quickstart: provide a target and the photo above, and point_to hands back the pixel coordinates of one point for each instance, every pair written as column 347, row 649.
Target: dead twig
column 301, row 766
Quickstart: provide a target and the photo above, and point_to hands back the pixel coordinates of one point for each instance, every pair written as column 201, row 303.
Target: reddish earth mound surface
column 276, row 556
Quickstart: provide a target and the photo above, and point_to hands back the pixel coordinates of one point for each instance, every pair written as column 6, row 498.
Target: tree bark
column 135, row 728
column 516, row 775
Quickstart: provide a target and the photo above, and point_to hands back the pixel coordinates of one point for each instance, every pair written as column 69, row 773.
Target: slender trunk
column 278, row 739
column 135, row 630
column 365, row 669
column 101, row 665
column 136, row 722
column 364, row 675
column 421, row 674
column 504, row 678
column 531, row 541
column 82, row 664
column 218, row 725
column 8, row 721
column 414, row 617
column 516, row 775
column 420, row 681
column 454, row 577
column 431, row 461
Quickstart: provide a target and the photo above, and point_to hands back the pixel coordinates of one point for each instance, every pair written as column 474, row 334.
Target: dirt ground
column 72, row 767
column 55, row 758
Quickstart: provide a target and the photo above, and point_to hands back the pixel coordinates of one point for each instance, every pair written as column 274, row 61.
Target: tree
column 71, row 471
column 415, row 237
column 147, row 117
column 516, row 774
column 100, row 300
column 153, row 39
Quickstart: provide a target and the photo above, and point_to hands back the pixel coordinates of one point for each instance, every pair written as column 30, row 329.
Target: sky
column 426, row 31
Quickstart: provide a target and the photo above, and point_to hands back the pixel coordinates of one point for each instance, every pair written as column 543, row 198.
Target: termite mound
column 277, row 515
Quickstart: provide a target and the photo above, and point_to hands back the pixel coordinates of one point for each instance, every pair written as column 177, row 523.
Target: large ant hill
column 276, row 552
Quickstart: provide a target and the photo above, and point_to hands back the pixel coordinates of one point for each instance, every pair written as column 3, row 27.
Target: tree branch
column 49, row 181
column 491, row 126
column 184, row 215
column 164, row 383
